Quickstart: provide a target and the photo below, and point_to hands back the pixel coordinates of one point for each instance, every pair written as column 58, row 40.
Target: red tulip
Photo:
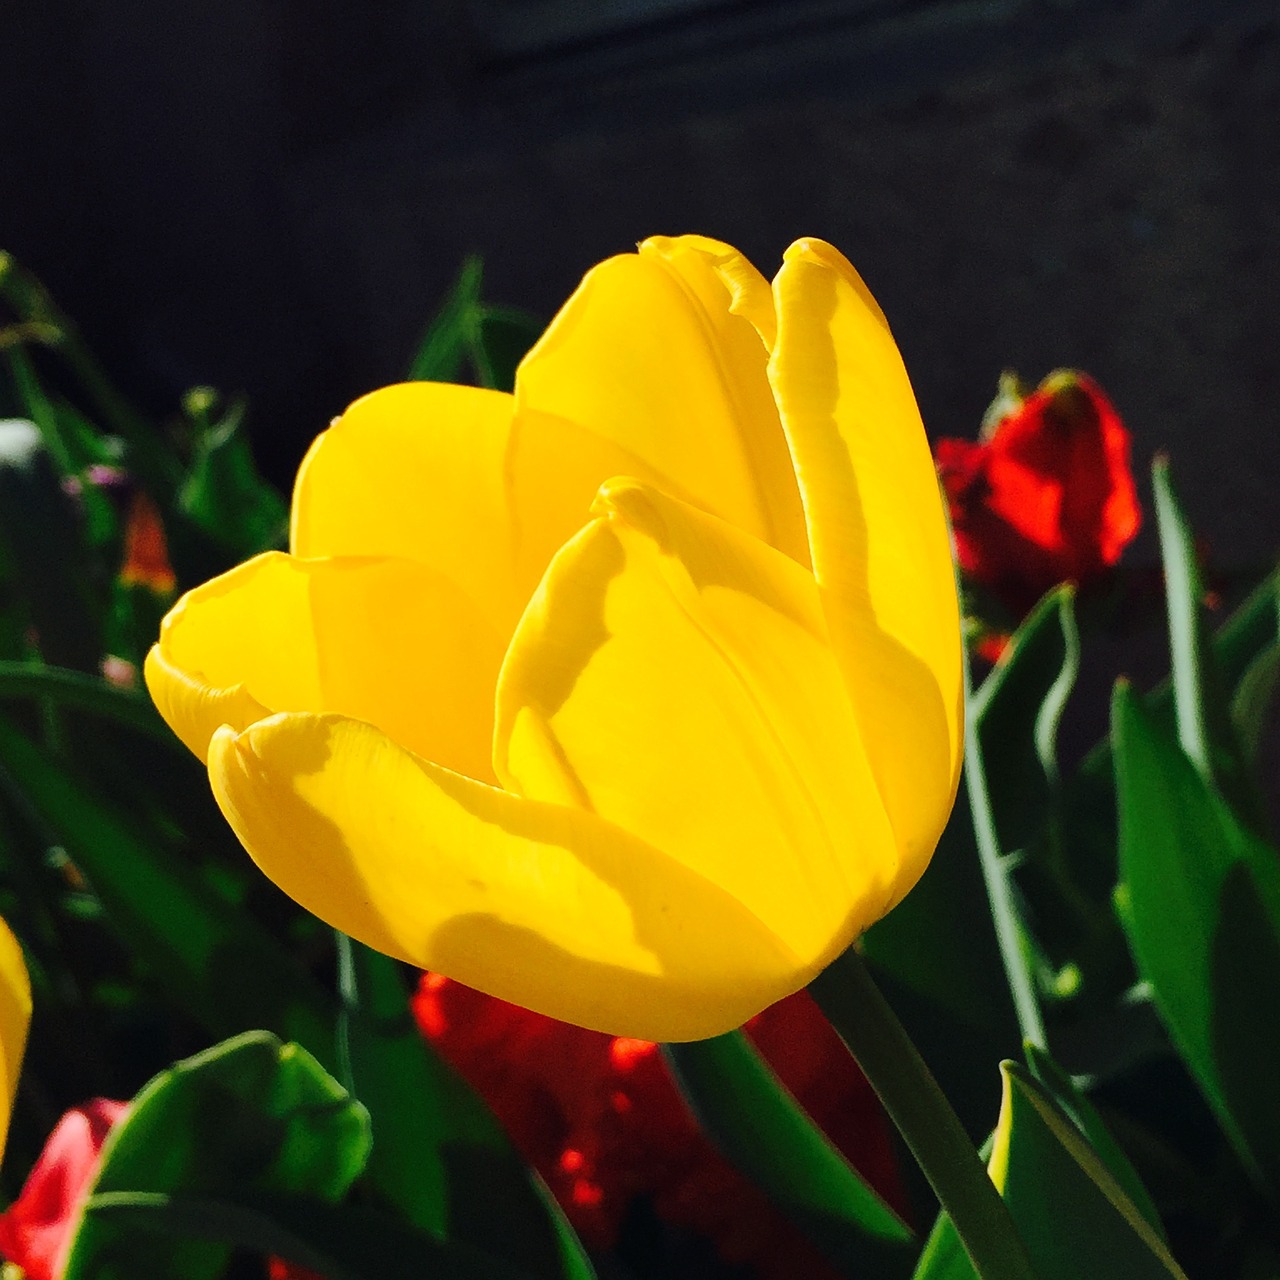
column 1047, row 496
column 601, row 1121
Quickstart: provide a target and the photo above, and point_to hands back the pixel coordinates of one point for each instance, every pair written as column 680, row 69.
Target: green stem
column 871, row 1030
column 1004, row 910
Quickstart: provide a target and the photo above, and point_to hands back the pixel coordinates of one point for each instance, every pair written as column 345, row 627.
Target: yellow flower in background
column 15, row 1018
column 632, row 697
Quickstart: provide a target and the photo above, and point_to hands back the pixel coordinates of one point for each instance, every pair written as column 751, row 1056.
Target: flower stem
column 860, row 1014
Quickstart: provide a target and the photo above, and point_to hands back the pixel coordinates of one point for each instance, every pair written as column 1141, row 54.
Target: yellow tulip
column 15, row 1017
column 632, row 697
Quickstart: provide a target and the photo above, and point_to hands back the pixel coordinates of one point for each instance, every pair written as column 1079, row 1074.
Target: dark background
column 273, row 195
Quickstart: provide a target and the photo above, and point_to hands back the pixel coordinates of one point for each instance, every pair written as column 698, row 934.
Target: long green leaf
column 78, row 691
column 1201, row 707
column 1017, row 710
column 760, row 1128
column 1200, row 901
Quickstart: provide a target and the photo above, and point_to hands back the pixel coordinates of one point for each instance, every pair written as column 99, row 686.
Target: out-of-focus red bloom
column 279, row 1269
column 37, row 1229
column 146, row 554
column 601, row 1121
column 1047, row 496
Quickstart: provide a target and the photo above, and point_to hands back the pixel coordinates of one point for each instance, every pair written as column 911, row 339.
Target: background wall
column 272, row 195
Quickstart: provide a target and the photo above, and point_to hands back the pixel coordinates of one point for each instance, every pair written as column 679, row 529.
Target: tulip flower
column 1047, row 496
column 631, row 698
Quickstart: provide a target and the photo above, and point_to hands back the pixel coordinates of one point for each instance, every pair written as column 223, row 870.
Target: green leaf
column 500, row 339
column 492, row 339
column 223, row 493
column 219, row 965
column 1017, row 950
column 1252, row 628
column 1073, row 1216
column 438, row 1153
column 340, row 1242
column 1200, row 902
column 1018, row 709
column 1254, row 699
column 761, row 1129
column 1201, row 709
column 1084, row 1115
column 250, row 1114
column 80, row 692
column 445, row 344
column 41, row 412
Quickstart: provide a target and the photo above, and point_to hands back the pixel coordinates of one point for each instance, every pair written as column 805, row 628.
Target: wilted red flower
column 601, row 1121
column 146, row 554
column 37, row 1229
column 1047, row 495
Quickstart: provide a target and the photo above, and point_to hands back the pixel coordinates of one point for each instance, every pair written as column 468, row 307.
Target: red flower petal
column 601, row 1121
column 37, row 1229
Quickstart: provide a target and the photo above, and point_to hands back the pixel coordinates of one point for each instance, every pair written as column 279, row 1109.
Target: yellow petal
column 415, row 471
column 551, row 908
column 15, row 1017
column 877, row 535
column 674, row 675
column 655, row 354
column 387, row 641
column 748, row 289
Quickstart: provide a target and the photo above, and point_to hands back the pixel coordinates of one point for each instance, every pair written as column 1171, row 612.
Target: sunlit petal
column 415, row 471
column 876, row 532
column 655, row 353
column 674, row 675
column 388, row 641
column 551, row 908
